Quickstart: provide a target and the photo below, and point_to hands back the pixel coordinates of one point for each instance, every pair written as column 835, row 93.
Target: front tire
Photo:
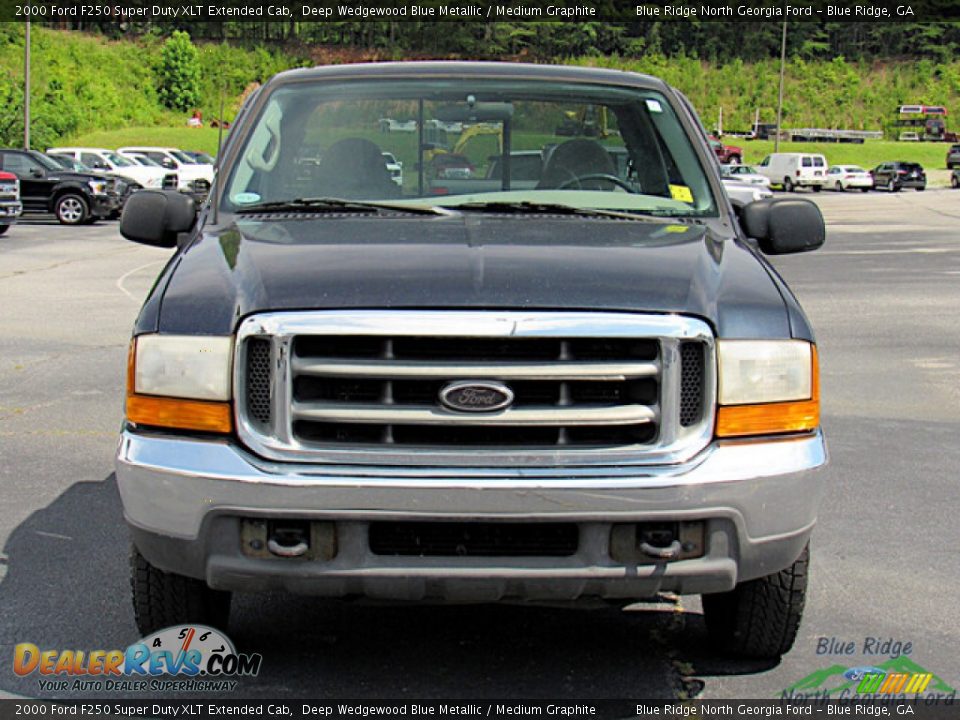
column 162, row 599
column 954, row 182
column 892, row 186
column 817, row 188
column 71, row 209
column 839, row 187
column 734, row 160
column 787, row 185
column 760, row 618
column 3, row 229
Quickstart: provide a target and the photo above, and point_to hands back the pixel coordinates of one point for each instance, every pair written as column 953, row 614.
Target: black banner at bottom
column 921, row 708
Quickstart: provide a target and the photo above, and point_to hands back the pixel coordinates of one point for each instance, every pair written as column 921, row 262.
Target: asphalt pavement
column 882, row 295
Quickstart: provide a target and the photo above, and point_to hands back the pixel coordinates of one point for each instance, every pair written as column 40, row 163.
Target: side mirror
column 155, row 217
column 36, row 172
column 783, row 226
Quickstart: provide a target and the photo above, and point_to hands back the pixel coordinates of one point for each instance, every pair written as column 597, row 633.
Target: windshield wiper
column 538, row 208
column 331, row 204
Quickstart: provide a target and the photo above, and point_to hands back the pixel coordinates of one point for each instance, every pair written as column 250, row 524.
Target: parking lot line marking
column 54, row 535
column 122, row 279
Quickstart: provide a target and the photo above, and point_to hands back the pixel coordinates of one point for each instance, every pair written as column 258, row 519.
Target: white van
column 793, row 170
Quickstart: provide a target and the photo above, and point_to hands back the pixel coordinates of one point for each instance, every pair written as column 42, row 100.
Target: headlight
column 97, row 187
column 767, row 386
column 180, row 381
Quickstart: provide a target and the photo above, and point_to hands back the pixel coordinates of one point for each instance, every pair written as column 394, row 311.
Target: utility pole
column 26, row 87
column 783, row 65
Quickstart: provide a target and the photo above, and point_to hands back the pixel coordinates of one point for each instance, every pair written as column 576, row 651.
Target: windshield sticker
column 681, row 193
column 246, row 198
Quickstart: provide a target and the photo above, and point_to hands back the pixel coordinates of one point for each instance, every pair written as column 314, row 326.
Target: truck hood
column 477, row 261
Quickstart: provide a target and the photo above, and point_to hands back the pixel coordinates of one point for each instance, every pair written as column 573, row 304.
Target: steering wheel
column 579, row 180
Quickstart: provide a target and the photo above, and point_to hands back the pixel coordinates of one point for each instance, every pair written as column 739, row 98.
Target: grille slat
column 421, row 370
column 511, row 417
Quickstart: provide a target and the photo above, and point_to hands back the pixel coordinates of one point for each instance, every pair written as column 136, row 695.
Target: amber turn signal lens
column 776, row 417
column 177, row 413
column 201, row 415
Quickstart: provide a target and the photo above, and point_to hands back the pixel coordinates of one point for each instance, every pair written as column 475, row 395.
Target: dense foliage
column 86, row 82
column 718, row 42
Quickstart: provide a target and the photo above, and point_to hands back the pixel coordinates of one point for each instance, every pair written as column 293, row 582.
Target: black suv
column 894, row 176
column 953, row 157
column 45, row 187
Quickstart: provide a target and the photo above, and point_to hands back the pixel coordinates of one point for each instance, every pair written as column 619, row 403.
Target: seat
column 575, row 159
column 354, row 168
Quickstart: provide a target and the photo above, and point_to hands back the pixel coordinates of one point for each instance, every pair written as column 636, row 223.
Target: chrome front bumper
column 184, row 498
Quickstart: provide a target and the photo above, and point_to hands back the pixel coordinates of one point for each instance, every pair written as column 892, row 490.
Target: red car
column 10, row 205
column 452, row 166
column 726, row 154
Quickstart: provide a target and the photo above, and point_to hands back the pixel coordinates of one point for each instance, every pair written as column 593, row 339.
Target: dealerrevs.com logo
column 181, row 658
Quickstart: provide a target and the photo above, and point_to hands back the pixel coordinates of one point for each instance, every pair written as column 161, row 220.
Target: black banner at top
column 483, row 10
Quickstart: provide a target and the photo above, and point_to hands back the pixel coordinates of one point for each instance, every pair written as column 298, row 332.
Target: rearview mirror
column 155, row 217
column 783, row 226
column 475, row 112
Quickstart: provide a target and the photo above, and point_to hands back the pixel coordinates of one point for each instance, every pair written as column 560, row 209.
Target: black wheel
column 865, row 189
column 787, row 185
column 954, row 182
column 759, row 618
column 71, row 209
column 817, row 188
column 163, row 599
column 839, row 187
column 3, row 229
column 734, row 160
column 892, row 186
column 922, row 188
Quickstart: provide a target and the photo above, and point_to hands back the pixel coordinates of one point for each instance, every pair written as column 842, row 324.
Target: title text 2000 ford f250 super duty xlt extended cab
column 591, row 387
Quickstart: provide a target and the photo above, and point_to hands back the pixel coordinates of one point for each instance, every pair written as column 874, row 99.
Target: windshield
column 46, row 161
column 469, row 142
column 183, row 157
column 144, row 160
column 118, row 160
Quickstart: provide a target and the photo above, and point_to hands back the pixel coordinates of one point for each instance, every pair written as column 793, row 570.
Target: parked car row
column 790, row 171
column 81, row 185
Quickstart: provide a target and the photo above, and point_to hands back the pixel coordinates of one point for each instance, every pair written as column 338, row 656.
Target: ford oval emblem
column 476, row 396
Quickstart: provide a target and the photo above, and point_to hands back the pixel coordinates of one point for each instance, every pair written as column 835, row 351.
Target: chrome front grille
column 365, row 387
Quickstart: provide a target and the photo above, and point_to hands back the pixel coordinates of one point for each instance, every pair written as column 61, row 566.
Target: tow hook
column 288, row 542
column 670, row 552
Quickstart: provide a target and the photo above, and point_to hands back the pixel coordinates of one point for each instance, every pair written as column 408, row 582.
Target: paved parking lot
column 883, row 296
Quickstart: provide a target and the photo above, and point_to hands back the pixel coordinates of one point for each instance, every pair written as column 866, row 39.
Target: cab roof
column 461, row 69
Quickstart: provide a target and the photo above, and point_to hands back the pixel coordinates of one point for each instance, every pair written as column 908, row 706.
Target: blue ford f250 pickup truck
column 590, row 385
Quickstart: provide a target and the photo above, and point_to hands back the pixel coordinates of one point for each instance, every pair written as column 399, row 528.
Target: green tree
column 179, row 73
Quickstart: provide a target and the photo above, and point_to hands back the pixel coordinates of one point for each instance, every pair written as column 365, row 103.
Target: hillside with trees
column 838, row 75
